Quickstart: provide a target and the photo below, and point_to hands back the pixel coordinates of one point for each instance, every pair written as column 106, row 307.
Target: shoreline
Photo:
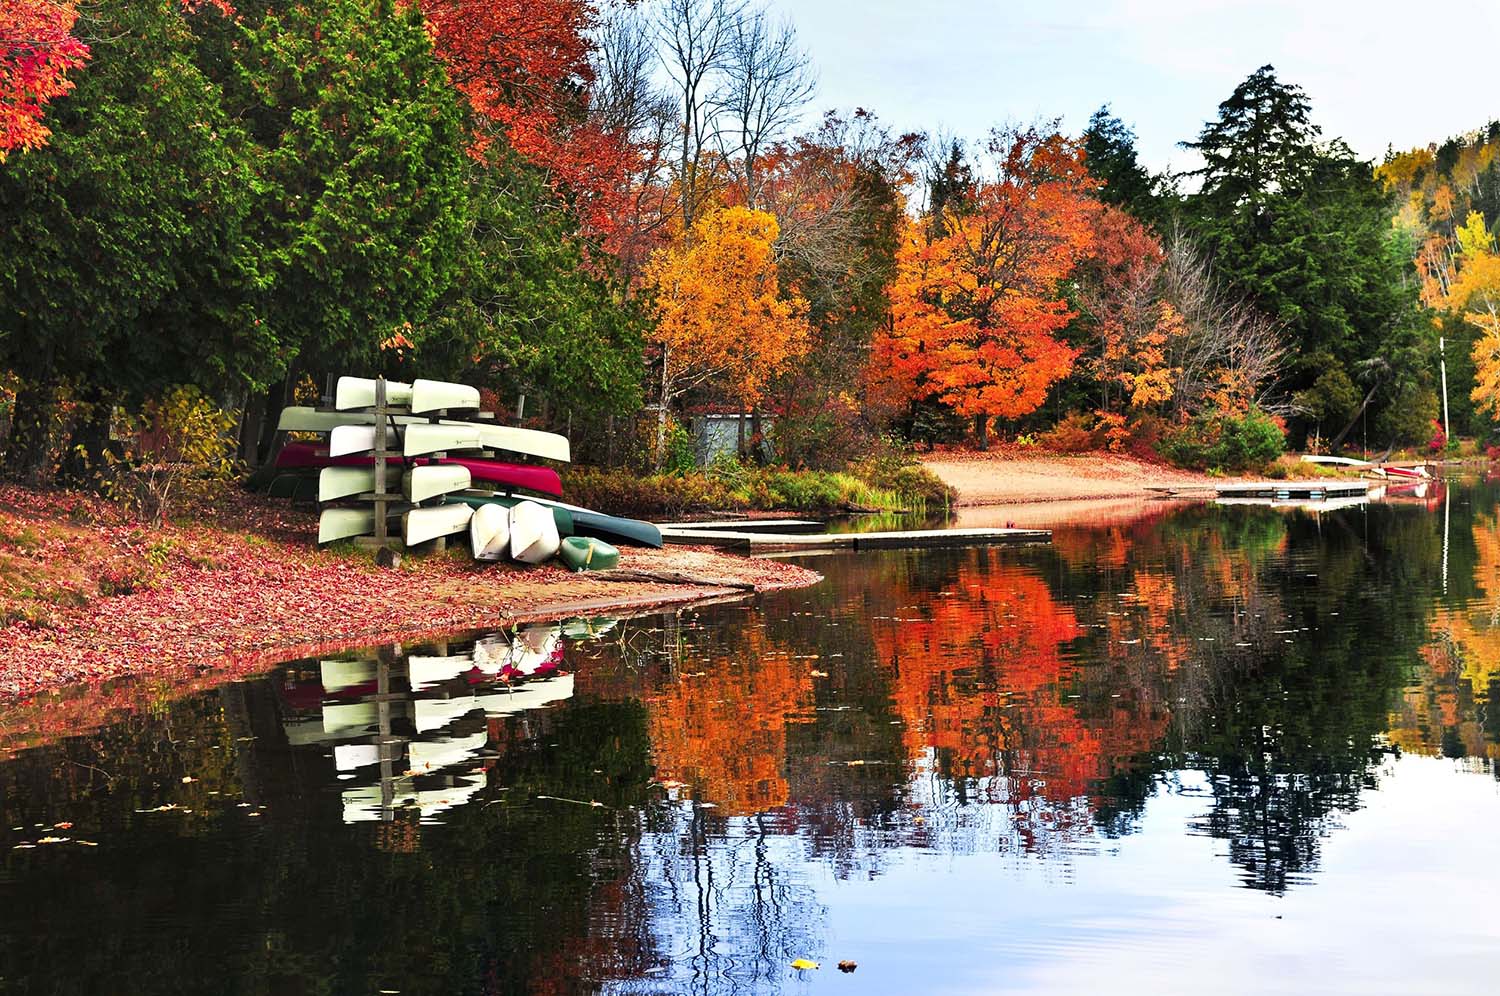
column 991, row 479
column 92, row 596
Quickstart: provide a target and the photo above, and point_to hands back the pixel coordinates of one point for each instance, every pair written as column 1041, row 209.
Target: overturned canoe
column 298, row 455
column 432, row 480
column 342, row 523
column 533, row 533
column 493, row 436
column 422, row 524
column 359, row 392
column 587, row 553
column 418, row 438
column 439, row 395
column 585, row 522
column 344, row 482
column 489, row 531
column 474, row 499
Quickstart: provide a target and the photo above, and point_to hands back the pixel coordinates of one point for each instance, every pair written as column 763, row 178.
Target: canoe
column 297, row 455
column 344, row 482
column 1334, row 461
column 432, row 480
column 586, row 522
column 438, row 395
column 561, row 516
column 489, row 531
column 424, row 672
column 535, row 647
column 1411, row 473
column 359, row 392
column 529, row 695
column 586, row 553
column 419, row 438
column 493, row 435
column 344, row 440
column 342, row 523
column 337, row 675
column 422, row 524
column 533, row 533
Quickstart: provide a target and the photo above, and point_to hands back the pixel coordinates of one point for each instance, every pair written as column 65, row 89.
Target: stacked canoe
column 438, row 447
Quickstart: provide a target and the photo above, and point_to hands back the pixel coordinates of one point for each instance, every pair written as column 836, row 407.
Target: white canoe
column 419, row 438
column 422, row 483
column 424, row 672
column 342, row 523
column 531, row 695
column 533, row 533
column 418, row 484
column 338, row 675
column 349, row 440
column 534, row 646
column 430, row 755
column 1334, row 461
column 434, row 714
column 492, row 435
column 343, row 482
column 369, row 803
column 422, row 524
column 489, row 532
column 359, row 392
column 439, row 395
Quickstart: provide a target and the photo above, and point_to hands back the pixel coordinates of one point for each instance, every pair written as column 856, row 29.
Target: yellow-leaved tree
column 720, row 313
column 1475, row 291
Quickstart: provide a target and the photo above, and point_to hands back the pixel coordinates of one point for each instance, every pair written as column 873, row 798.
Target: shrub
column 1074, row 434
column 1439, row 440
column 177, row 438
column 1222, row 442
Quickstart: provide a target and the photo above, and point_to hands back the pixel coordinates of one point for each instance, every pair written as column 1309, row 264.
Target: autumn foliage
column 37, row 51
column 975, row 307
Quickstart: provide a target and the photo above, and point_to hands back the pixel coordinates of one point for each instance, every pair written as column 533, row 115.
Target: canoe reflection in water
column 414, row 730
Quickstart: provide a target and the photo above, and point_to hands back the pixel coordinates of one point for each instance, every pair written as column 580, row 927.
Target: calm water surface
column 1195, row 749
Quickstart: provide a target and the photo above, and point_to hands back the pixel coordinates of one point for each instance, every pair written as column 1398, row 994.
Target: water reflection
column 1113, row 731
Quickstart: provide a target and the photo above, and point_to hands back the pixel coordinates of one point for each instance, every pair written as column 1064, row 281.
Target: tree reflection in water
column 670, row 825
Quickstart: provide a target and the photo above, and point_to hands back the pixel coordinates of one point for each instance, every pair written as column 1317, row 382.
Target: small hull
column 418, row 439
column 438, row 395
column 489, row 532
column 583, row 522
column 422, row 524
column 492, row 435
column 342, row 523
column 422, row 483
column 585, row 553
column 533, row 533
column 344, row 482
column 300, row 456
column 359, row 392
column 560, row 516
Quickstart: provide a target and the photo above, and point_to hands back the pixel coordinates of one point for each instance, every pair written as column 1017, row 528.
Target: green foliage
column 1409, row 420
column 531, row 311
column 175, row 439
column 1220, row 442
column 1109, row 150
column 1333, row 398
column 1302, row 227
column 361, row 196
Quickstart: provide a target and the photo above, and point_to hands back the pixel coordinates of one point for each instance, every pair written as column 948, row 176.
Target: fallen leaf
column 802, row 963
column 847, row 966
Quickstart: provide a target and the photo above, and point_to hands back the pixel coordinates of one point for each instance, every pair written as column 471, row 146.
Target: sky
column 1378, row 74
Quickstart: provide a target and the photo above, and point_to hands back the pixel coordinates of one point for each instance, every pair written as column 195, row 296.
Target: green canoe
column 585, row 553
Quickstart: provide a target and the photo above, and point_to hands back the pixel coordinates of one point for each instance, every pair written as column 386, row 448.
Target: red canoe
column 512, row 475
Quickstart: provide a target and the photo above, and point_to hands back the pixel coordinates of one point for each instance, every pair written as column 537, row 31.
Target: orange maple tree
column 720, row 311
column 37, row 51
column 975, row 306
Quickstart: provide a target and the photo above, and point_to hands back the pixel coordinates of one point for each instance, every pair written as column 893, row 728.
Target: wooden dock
column 1280, row 490
column 757, row 542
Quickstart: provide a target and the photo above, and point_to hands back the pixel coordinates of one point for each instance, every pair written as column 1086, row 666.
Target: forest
column 616, row 216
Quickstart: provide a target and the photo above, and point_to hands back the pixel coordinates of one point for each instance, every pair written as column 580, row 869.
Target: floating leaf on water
column 847, row 966
column 54, row 840
column 64, row 825
column 818, row 674
column 188, row 779
column 802, row 963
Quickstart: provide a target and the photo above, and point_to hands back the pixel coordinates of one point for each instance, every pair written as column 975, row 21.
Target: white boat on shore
column 492, row 435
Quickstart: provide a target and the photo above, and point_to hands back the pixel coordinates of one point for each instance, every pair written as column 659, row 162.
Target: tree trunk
column 757, row 433
column 84, row 463
column 27, row 451
column 661, row 413
column 982, row 429
column 1338, row 441
column 740, row 434
column 250, row 428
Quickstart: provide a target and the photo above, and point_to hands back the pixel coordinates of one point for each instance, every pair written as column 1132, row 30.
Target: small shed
column 718, row 434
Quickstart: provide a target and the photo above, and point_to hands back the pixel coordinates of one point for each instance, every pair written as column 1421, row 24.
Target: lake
column 1183, row 748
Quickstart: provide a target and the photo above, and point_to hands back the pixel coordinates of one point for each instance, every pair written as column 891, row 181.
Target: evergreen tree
column 1109, row 148
column 1302, row 227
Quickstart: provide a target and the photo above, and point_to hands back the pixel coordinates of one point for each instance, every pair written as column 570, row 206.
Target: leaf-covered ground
column 89, row 594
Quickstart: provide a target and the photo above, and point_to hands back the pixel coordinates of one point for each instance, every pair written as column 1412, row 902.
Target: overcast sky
column 1378, row 73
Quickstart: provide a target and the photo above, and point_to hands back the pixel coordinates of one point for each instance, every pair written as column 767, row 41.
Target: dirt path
column 1003, row 479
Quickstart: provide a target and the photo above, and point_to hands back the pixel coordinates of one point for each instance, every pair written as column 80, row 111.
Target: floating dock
column 1280, row 490
column 757, row 542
